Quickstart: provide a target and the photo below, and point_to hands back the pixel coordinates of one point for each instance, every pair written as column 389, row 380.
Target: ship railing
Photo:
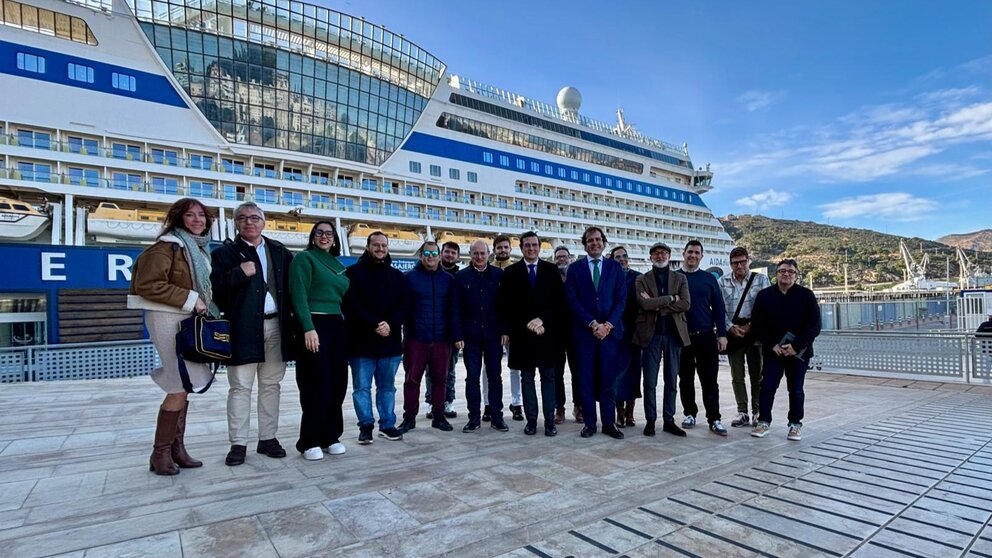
column 928, row 356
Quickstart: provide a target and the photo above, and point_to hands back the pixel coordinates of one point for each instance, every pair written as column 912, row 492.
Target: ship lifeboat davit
column 401, row 242
column 20, row 221
column 109, row 222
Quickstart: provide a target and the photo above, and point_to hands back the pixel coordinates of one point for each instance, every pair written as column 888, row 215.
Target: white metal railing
column 955, row 357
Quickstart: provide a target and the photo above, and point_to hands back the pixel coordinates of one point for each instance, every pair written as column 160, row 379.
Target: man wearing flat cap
column 661, row 331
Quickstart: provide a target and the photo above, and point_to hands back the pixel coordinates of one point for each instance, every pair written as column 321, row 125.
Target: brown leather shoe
column 165, row 433
column 577, row 413
column 629, row 413
column 179, row 455
column 559, row 415
column 621, row 414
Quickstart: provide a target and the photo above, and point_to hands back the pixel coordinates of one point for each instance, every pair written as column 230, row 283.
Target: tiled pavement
column 886, row 468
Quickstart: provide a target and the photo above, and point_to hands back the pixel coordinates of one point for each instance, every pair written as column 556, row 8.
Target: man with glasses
column 426, row 340
column 562, row 259
column 477, row 329
column 661, row 331
column 450, row 252
column 706, row 314
column 375, row 305
column 786, row 320
column 597, row 294
column 250, row 276
column 740, row 288
column 531, row 295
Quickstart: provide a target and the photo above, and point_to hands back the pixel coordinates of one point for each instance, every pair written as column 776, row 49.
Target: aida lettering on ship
column 123, row 107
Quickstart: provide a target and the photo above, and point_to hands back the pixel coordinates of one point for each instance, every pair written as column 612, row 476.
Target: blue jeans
column 663, row 348
column 384, row 372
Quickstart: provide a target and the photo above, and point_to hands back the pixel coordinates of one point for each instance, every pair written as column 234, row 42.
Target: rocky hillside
column 979, row 240
column 872, row 257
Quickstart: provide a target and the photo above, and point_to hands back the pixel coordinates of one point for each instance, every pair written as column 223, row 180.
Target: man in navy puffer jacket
column 426, row 340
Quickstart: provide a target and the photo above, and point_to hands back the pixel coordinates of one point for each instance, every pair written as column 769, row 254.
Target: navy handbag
column 203, row 339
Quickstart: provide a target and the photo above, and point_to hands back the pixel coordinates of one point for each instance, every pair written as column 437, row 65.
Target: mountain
column 979, row 240
column 821, row 250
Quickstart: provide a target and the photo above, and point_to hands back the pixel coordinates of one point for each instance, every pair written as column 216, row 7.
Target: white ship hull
column 18, row 227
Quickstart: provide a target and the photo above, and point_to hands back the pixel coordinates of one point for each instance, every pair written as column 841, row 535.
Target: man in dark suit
column 597, row 294
column 533, row 299
column 661, row 330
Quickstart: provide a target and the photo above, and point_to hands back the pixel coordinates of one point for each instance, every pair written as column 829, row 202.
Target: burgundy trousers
column 418, row 357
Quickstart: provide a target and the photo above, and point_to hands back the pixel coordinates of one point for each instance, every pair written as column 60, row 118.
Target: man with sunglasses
column 450, row 252
column 786, row 320
column 742, row 283
column 426, row 340
column 250, row 276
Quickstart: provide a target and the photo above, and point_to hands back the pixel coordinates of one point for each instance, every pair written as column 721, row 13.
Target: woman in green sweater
column 317, row 284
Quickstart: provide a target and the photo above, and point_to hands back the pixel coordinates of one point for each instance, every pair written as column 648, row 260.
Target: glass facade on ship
column 290, row 75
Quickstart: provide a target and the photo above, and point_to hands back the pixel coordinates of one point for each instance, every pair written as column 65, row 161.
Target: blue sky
column 856, row 113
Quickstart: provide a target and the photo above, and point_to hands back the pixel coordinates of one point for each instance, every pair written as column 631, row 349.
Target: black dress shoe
column 588, row 431
column 612, row 431
column 672, row 429
column 486, row 414
column 530, row 429
column 270, row 448
column 442, row 424
column 549, row 429
column 472, row 426
column 407, row 425
column 518, row 412
column 649, row 429
column 499, row 424
column 236, row 456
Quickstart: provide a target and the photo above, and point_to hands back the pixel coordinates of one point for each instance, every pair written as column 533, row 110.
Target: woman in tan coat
column 171, row 279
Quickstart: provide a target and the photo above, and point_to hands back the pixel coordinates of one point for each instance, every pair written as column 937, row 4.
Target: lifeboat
column 293, row 234
column 464, row 243
column 20, row 221
column 108, row 222
column 401, row 242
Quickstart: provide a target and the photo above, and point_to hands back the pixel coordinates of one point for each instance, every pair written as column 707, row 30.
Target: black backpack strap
column 740, row 304
column 184, row 374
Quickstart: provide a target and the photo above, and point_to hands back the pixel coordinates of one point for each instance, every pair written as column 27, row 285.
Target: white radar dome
column 569, row 99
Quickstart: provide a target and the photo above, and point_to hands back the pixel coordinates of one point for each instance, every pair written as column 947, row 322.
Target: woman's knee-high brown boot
column 179, row 455
column 165, row 433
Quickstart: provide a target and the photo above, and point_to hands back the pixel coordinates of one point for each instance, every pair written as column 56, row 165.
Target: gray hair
column 249, row 205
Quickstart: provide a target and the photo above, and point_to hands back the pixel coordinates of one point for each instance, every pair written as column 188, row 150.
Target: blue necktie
column 595, row 274
column 532, row 273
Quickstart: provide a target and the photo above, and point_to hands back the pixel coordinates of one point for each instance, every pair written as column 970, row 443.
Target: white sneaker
column 336, row 449
column 689, row 421
column 795, row 432
column 313, row 454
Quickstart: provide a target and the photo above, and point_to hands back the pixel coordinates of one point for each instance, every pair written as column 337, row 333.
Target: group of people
column 615, row 328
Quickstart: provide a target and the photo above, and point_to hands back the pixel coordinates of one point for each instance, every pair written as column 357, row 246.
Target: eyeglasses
column 249, row 218
column 739, row 262
column 786, row 272
column 324, row 232
column 431, row 253
column 621, row 256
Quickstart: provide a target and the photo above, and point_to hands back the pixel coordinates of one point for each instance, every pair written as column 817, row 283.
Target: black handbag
column 203, row 339
column 734, row 343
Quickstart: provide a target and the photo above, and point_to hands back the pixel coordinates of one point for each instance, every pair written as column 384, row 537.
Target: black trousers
column 700, row 357
column 323, row 381
column 530, row 393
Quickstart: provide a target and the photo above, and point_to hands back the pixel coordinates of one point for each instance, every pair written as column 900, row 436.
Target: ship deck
column 886, row 468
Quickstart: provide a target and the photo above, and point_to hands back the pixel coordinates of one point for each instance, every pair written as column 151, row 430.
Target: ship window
column 549, row 170
column 454, row 174
column 320, row 201
column 320, row 177
column 205, row 162
column 35, row 172
column 124, row 181
column 597, row 179
column 370, row 185
column 79, row 72
column 415, row 167
column 521, row 164
column 30, row 63
column 609, row 182
column 201, row 189
column 230, row 165
column 165, row 157
column 83, row 177
column 472, row 177
column 23, row 318
column 83, row 146
column 292, row 174
column 504, row 161
column 436, row 170
column 165, row 185
column 125, row 151
column 561, row 172
column 124, row 82
column 575, row 175
column 265, row 195
column 31, row 138
column 487, row 157
column 291, row 197
column 265, row 170
column 535, row 167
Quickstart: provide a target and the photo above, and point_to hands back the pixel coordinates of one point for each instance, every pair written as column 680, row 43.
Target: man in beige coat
column 661, row 331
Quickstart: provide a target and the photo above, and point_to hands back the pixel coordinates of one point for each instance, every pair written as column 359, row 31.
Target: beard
column 502, row 257
column 660, row 265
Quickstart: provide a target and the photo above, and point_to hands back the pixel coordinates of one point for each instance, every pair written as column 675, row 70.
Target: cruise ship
column 114, row 109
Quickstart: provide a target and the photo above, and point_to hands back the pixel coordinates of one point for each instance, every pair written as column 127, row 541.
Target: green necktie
column 595, row 274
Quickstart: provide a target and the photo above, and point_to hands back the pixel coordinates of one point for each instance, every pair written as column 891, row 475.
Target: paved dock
column 886, row 468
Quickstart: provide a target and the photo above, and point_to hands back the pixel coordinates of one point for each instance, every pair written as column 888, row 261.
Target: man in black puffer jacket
column 375, row 306
column 426, row 341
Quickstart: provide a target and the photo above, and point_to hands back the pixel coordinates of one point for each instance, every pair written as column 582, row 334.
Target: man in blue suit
column 596, row 294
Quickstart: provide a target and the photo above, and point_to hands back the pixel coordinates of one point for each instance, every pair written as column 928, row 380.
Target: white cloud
column 765, row 200
column 755, row 99
column 894, row 206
